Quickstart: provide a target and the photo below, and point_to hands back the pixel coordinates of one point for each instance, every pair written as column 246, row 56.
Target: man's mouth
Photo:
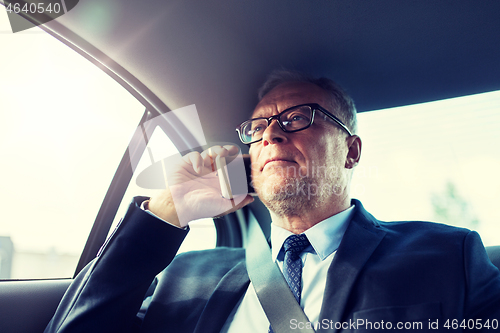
column 277, row 162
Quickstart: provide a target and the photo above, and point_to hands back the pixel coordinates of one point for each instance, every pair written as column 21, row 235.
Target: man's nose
column 273, row 134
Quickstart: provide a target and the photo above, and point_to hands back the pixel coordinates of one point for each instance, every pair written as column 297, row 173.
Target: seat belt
column 270, row 285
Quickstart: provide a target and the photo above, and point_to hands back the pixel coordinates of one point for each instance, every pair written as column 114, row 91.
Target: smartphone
column 248, row 170
column 235, row 176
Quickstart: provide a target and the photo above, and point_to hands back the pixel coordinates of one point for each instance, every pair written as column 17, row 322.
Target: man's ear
column 354, row 152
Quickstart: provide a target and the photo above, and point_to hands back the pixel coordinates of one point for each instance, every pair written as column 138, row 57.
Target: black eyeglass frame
column 313, row 107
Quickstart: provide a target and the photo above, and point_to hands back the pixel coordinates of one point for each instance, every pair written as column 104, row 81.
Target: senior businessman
column 343, row 265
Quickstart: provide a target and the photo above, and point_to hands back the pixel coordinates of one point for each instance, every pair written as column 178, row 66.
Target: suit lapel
column 223, row 300
column 360, row 240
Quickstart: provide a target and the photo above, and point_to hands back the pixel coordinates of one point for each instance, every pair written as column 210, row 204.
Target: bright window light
column 435, row 161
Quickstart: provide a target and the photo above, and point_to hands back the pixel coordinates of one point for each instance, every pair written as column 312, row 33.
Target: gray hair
column 344, row 106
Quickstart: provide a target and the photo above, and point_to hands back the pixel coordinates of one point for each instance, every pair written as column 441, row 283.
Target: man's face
column 300, row 169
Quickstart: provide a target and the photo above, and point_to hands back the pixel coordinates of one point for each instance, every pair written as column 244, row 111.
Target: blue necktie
column 292, row 265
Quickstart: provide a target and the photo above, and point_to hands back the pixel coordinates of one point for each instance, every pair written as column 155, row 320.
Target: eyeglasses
column 294, row 119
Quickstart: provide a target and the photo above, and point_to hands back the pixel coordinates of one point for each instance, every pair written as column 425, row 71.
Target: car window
column 435, row 161
column 65, row 127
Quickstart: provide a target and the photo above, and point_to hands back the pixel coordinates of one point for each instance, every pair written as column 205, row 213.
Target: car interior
column 173, row 58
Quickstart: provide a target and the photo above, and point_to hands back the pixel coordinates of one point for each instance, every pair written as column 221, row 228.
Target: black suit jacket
column 397, row 272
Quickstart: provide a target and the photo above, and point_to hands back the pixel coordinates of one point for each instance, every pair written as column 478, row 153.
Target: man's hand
column 193, row 190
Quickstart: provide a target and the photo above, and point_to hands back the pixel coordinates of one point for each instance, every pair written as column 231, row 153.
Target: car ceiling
column 215, row 53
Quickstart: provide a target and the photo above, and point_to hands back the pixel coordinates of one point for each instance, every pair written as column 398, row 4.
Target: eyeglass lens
column 291, row 120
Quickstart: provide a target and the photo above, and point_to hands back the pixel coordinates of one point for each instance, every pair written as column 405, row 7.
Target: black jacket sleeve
column 107, row 294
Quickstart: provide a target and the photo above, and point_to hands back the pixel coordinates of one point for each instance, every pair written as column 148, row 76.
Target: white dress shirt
column 248, row 315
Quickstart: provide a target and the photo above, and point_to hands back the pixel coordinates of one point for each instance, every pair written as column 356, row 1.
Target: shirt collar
column 324, row 237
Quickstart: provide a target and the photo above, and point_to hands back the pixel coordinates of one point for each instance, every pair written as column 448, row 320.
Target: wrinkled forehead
column 290, row 94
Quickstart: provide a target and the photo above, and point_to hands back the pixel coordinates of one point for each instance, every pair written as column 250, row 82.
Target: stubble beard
column 293, row 196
